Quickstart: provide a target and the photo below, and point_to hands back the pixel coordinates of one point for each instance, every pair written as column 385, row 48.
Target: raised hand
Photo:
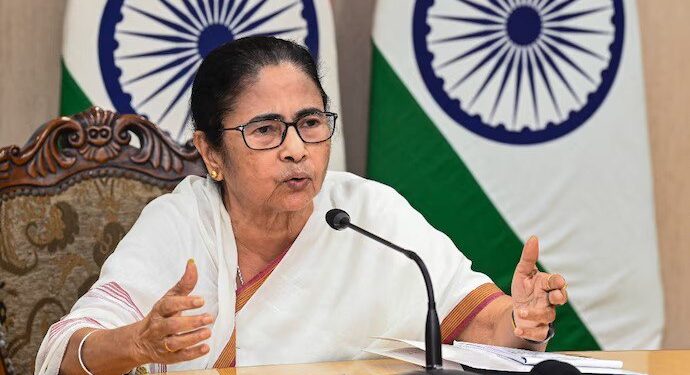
column 164, row 335
column 535, row 295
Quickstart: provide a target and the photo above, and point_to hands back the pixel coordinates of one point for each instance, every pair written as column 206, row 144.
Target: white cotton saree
column 323, row 300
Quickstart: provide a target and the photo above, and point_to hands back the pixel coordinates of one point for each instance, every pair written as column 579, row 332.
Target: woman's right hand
column 164, row 335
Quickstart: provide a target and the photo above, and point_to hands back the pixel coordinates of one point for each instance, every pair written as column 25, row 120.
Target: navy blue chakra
column 149, row 50
column 519, row 71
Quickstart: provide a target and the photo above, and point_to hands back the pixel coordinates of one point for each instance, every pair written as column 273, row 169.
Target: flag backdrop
column 140, row 56
column 499, row 119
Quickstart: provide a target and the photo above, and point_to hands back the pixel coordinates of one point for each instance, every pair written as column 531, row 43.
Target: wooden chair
column 5, row 362
column 66, row 199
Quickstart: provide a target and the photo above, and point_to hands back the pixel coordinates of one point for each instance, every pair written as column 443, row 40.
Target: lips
column 296, row 176
column 297, row 180
column 297, row 183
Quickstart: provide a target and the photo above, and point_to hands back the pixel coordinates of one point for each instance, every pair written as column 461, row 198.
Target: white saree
column 325, row 299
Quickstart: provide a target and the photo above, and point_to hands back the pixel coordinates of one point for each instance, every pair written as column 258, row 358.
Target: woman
column 266, row 281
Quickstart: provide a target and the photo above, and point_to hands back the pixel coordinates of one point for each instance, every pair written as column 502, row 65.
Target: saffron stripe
column 227, row 356
column 247, row 293
column 265, row 272
column 467, row 309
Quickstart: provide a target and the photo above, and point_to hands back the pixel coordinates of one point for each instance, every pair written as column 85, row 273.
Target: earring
column 214, row 175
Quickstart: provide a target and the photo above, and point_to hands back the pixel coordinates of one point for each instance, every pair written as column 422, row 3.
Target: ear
column 212, row 158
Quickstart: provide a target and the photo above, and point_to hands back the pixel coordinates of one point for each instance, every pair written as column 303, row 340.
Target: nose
column 293, row 148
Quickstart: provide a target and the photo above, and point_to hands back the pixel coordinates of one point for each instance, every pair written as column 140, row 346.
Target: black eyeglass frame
column 240, row 128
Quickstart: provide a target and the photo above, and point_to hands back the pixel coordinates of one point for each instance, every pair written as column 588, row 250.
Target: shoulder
column 177, row 224
column 185, row 199
column 373, row 204
column 194, row 204
column 382, row 210
column 170, row 230
column 345, row 186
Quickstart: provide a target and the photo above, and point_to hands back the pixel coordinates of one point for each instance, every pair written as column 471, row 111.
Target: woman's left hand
column 535, row 295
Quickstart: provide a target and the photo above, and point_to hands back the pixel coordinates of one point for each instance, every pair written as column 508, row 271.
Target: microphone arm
column 339, row 220
column 432, row 337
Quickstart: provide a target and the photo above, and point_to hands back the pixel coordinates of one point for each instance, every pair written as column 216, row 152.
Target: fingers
column 555, row 286
column 171, row 305
column 528, row 260
column 552, row 282
column 558, row 297
column 179, row 324
column 178, row 342
column 187, row 282
column 539, row 316
column 171, row 340
column 188, row 354
column 535, row 334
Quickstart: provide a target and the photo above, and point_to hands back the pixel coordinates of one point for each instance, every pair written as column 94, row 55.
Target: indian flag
column 140, row 56
column 499, row 119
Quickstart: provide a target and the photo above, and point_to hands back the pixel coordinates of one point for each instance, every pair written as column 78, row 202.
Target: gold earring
column 214, row 175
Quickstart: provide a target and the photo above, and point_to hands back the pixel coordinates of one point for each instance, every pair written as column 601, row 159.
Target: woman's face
column 285, row 178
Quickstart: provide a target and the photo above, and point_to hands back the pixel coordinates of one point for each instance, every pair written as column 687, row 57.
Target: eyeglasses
column 315, row 127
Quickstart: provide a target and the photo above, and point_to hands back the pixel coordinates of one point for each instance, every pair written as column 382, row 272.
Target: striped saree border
column 451, row 326
column 227, row 357
column 463, row 313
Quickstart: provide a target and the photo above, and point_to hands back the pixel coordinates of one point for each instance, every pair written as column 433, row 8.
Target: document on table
column 528, row 357
column 493, row 357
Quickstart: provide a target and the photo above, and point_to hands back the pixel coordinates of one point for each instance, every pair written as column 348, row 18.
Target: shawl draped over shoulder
column 323, row 300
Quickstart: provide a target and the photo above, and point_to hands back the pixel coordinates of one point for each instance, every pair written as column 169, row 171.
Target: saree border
column 470, row 306
column 227, row 357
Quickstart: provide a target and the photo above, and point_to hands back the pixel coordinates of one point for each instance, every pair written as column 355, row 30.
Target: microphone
column 339, row 220
column 553, row 367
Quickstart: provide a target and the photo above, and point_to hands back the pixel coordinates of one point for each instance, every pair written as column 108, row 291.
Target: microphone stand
column 339, row 220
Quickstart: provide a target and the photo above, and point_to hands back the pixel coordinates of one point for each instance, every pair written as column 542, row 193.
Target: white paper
column 493, row 357
column 529, row 357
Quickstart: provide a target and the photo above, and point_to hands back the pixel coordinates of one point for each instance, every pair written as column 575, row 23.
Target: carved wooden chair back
column 66, row 199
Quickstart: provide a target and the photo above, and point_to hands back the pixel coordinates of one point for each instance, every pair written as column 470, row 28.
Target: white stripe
column 588, row 195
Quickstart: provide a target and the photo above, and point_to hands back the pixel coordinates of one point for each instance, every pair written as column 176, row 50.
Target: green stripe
column 408, row 152
column 72, row 98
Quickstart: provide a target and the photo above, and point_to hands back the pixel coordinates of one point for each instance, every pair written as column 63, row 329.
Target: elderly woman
column 240, row 268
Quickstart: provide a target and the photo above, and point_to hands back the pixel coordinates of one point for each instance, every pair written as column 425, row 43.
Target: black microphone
column 339, row 220
column 553, row 367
